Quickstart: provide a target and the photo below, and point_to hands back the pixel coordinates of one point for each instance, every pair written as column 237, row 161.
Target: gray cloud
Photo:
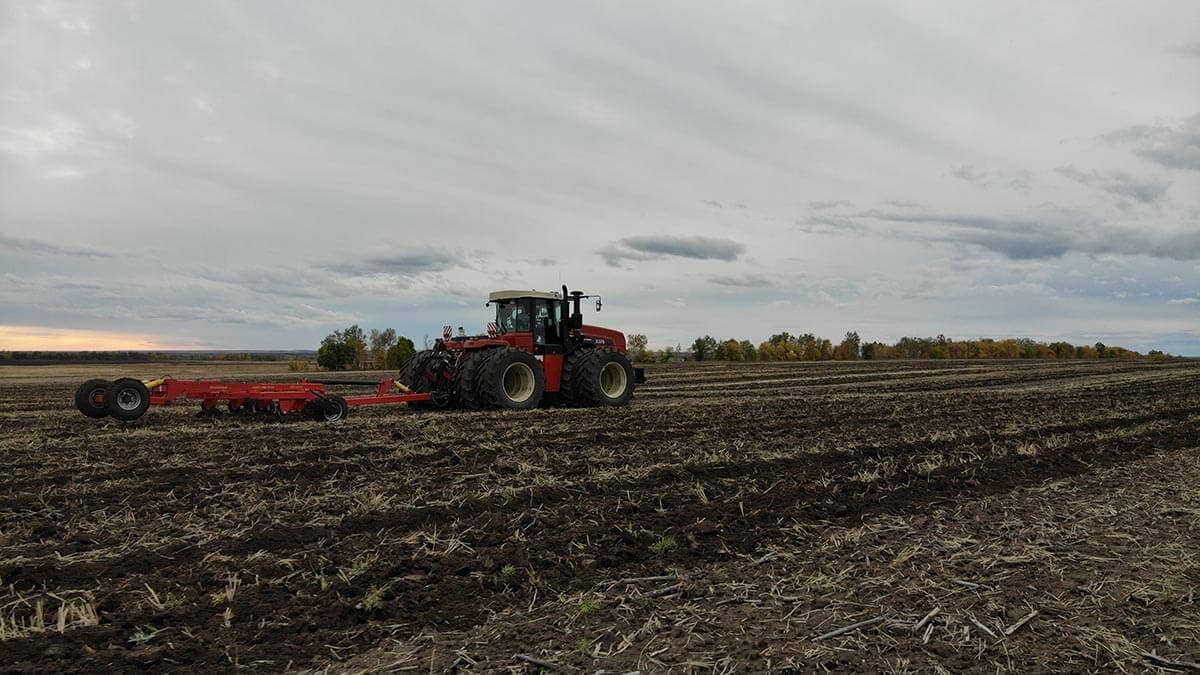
column 1053, row 235
column 37, row 247
column 1175, row 147
column 745, row 281
column 1144, row 190
column 1021, row 181
column 826, row 205
column 389, row 172
column 1192, row 50
column 401, row 263
column 649, row 247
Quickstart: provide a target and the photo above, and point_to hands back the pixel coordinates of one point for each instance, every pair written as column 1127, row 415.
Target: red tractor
column 537, row 350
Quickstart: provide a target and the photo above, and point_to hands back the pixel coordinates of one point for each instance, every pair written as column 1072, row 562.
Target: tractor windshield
column 512, row 316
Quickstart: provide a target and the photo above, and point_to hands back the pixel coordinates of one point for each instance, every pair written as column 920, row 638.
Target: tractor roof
column 510, row 295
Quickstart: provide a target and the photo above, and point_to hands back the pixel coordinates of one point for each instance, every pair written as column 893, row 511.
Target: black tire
column 413, row 376
column 511, row 379
column 568, row 393
column 467, row 379
column 603, row 377
column 89, row 398
column 330, row 408
column 127, row 399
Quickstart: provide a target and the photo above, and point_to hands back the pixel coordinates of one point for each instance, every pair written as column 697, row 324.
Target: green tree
column 749, row 350
column 381, row 341
column 704, row 348
column 848, row 350
column 357, row 339
column 637, row 347
column 335, row 354
column 399, row 352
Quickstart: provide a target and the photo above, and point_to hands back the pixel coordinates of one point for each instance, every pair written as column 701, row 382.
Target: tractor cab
column 536, row 312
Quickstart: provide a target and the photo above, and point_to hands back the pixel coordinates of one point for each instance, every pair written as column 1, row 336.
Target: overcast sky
column 253, row 175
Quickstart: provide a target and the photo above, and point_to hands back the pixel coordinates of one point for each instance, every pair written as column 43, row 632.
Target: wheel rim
column 613, row 380
column 97, row 397
column 518, row 382
column 129, row 399
column 333, row 412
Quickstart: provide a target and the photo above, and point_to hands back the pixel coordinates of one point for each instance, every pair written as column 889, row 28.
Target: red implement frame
column 288, row 396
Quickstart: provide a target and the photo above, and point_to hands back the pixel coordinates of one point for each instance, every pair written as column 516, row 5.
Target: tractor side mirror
column 598, row 304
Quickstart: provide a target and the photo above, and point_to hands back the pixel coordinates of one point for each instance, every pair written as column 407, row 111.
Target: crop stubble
column 730, row 516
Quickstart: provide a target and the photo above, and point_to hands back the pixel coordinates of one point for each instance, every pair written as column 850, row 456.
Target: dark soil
column 462, row 540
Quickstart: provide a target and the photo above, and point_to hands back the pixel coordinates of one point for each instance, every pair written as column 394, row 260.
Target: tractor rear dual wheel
column 506, row 378
column 414, row 375
column 467, row 380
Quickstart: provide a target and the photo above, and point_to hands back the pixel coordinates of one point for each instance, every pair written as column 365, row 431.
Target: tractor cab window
column 512, row 316
column 545, row 319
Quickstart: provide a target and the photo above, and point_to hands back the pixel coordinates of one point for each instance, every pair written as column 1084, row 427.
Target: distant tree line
column 808, row 347
column 355, row 348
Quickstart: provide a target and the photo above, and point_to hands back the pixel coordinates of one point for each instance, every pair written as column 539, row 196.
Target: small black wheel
column 331, row 408
column 127, row 399
column 89, row 398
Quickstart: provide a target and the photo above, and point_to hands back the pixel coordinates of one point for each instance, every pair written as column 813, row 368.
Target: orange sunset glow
column 45, row 338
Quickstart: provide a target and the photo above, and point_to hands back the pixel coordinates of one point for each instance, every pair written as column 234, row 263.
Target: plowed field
column 970, row 515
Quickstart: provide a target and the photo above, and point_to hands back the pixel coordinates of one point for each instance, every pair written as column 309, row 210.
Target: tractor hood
column 614, row 337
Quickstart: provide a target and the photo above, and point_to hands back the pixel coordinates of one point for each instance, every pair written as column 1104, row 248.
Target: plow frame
column 281, row 398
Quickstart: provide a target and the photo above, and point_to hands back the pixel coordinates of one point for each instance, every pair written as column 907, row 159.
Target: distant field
column 970, row 515
column 75, row 373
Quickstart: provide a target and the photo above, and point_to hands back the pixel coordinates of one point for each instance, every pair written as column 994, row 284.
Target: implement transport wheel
column 89, row 398
column 127, row 399
column 329, row 408
column 511, row 379
column 602, row 377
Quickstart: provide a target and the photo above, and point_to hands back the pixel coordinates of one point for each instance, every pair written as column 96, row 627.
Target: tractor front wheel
column 602, row 377
column 511, row 379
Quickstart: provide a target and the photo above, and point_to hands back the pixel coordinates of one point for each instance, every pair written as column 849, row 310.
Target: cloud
column 1192, row 50
column 37, row 247
column 745, row 281
column 1051, row 234
column 649, row 247
column 1183, row 301
column 826, row 205
column 1175, row 147
column 401, row 263
column 985, row 178
column 1144, row 190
